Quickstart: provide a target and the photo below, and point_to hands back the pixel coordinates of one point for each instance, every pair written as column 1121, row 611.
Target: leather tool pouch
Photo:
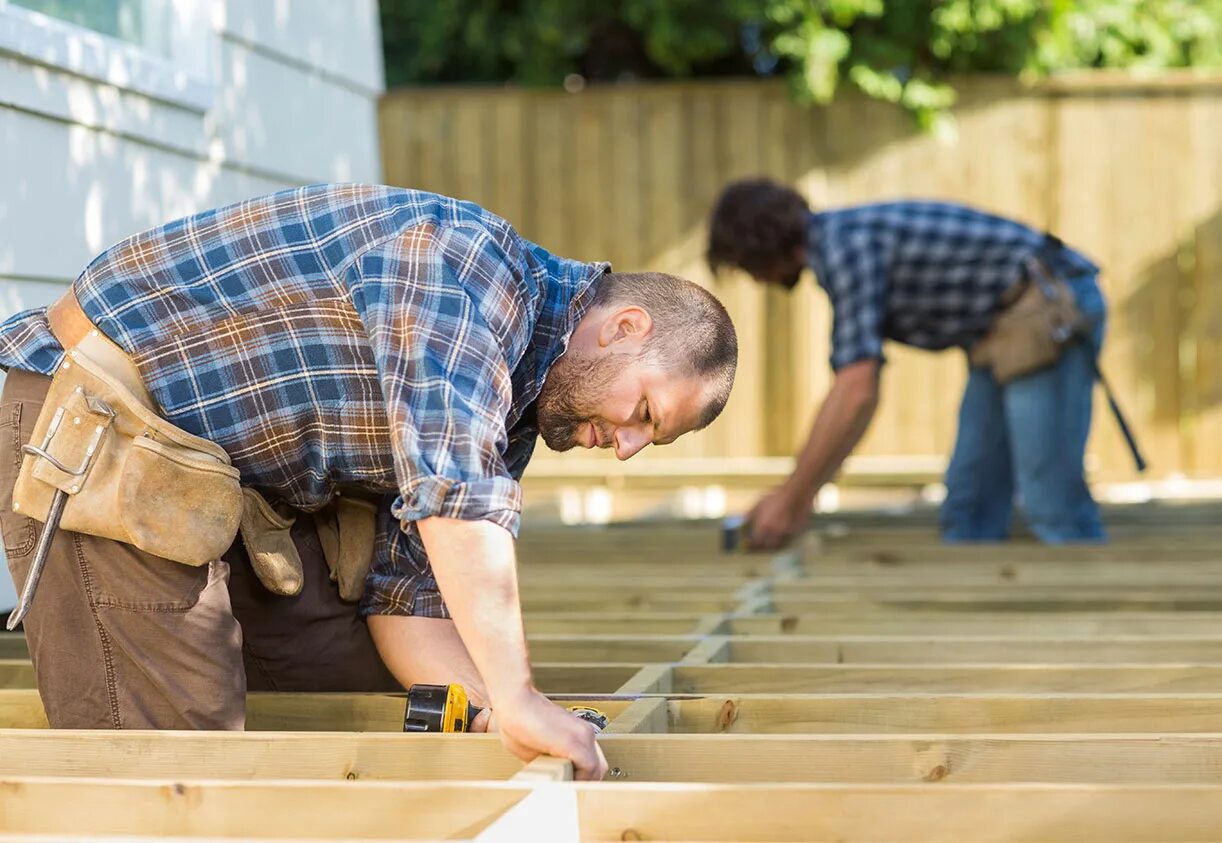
column 346, row 530
column 267, row 534
column 146, row 482
column 1032, row 332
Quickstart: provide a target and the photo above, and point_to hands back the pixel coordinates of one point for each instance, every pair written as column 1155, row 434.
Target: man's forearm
column 426, row 651
column 475, row 568
column 839, row 426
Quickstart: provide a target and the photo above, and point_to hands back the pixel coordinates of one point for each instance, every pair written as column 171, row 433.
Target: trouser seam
column 112, row 685
column 258, row 664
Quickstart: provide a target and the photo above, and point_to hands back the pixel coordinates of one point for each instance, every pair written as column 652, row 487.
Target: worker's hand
column 532, row 725
column 485, row 721
column 776, row 519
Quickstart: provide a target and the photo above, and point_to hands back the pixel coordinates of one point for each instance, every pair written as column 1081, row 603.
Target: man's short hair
column 755, row 222
column 693, row 334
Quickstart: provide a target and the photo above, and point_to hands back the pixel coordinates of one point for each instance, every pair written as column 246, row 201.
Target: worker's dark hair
column 693, row 334
column 755, row 222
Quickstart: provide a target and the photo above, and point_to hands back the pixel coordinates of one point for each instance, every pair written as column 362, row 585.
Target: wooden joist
column 333, row 712
column 989, row 624
column 726, row 758
column 866, row 713
column 584, row 678
column 1021, row 813
column 957, row 678
column 916, row 713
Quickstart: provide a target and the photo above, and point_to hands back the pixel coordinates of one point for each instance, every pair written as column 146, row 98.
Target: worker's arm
column 428, row 651
column 839, row 426
column 474, row 564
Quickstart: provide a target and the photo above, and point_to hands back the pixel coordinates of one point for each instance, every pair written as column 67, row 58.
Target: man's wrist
column 799, row 492
column 508, row 691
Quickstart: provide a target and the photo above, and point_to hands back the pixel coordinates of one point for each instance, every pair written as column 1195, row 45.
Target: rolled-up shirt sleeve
column 401, row 581
column 443, row 370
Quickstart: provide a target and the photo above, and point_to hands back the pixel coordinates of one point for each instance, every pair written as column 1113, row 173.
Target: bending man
column 382, row 359
column 936, row 275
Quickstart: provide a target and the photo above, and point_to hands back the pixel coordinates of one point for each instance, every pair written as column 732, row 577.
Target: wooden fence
column 1129, row 170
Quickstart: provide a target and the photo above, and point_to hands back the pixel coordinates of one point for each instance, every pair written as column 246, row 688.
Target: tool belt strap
column 75, row 331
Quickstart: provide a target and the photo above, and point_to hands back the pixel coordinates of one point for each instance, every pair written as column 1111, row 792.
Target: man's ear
column 629, row 325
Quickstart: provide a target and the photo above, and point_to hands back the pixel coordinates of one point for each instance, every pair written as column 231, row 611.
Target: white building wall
column 100, row 139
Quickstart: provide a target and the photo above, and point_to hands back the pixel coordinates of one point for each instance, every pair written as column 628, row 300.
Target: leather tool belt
column 134, row 477
column 1039, row 319
column 129, row 475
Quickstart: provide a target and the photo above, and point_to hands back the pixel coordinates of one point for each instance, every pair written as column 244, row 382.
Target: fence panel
column 1128, row 170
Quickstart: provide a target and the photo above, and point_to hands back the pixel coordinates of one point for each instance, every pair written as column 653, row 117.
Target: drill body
column 445, row 708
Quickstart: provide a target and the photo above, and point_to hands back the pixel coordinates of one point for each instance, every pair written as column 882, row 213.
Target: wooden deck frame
column 881, row 687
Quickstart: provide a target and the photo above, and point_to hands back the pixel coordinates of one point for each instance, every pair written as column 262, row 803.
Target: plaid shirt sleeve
column 856, row 284
column 445, row 378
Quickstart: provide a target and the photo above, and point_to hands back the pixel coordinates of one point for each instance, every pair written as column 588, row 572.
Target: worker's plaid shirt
column 926, row 274
column 344, row 336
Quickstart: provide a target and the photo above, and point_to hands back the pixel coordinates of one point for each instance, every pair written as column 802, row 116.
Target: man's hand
column 776, row 519
column 838, row 427
column 531, row 725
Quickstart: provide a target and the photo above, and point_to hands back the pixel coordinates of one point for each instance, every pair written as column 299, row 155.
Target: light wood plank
column 900, row 713
column 294, row 712
column 874, row 759
column 913, row 813
column 307, row 810
column 925, row 649
column 1032, row 678
column 950, row 604
column 337, row 756
column 650, row 679
column 613, row 623
column 648, row 715
column 1035, row 625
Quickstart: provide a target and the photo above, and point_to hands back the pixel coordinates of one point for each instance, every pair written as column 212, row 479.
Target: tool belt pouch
column 1032, row 332
column 346, row 530
column 267, row 535
column 131, row 476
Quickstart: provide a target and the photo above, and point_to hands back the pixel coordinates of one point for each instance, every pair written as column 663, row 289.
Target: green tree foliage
column 901, row 51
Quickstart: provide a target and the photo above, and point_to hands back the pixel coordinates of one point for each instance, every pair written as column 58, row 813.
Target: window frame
column 183, row 80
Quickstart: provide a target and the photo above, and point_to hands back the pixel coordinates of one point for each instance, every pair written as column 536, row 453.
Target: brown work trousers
column 121, row 639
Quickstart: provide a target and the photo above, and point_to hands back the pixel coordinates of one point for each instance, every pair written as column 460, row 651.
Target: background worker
column 393, row 347
column 937, row 275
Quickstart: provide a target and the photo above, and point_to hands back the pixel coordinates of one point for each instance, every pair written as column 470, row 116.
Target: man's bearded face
column 572, row 393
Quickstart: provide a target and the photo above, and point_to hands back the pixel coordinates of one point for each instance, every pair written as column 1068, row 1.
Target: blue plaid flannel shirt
column 926, row 274
column 344, row 337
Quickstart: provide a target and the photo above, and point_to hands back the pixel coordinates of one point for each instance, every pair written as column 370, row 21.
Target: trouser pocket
column 20, row 531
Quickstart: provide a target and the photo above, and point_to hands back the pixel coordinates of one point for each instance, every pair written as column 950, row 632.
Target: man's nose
column 629, row 441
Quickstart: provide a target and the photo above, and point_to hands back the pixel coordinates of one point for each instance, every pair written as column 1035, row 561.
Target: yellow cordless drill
column 444, row 708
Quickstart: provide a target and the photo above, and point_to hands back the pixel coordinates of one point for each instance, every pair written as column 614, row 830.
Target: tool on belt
column 1039, row 320
column 104, row 414
column 444, row 708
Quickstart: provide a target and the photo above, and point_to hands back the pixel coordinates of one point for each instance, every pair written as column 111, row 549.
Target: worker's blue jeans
column 1025, row 442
